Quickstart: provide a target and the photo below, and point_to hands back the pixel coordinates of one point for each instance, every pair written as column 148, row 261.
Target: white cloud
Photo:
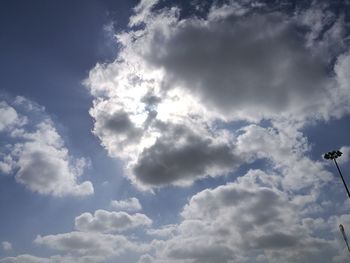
column 110, row 222
column 130, row 204
column 38, row 157
column 342, row 68
column 8, row 116
column 325, row 29
column 7, row 164
column 94, row 242
column 242, row 222
column 345, row 156
column 142, row 12
column 287, row 150
column 6, row 246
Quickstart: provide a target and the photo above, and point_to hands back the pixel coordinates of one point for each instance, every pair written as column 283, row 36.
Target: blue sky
column 161, row 131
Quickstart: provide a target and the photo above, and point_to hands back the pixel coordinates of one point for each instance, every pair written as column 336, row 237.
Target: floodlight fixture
column 333, row 155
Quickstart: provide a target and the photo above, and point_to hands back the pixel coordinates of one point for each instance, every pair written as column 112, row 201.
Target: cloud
column 163, row 231
column 234, row 67
column 142, row 12
column 345, row 156
column 25, row 259
column 341, row 69
column 180, row 155
column 115, row 125
column 130, row 204
column 165, row 105
column 241, row 222
column 325, row 29
column 52, row 259
column 95, row 241
column 168, row 108
column 183, row 151
column 8, row 116
column 37, row 155
column 286, row 148
column 110, row 222
column 7, row 164
column 6, row 246
column 96, row 246
column 146, row 259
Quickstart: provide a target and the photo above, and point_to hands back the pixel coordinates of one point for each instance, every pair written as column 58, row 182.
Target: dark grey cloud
column 182, row 155
column 276, row 241
column 206, row 254
column 259, row 62
column 116, row 123
column 119, row 122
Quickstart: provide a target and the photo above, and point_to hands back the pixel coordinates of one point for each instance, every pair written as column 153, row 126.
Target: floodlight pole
column 342, row 178
column 333, row 155
column 342, row 230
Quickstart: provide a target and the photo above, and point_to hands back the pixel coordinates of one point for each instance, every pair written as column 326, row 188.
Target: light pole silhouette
column 333, row 156
column 342, row 230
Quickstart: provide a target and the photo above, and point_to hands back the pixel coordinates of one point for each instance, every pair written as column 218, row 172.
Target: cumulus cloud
column 234, row 67
column 37, row 155
column 165, row 104
column 130, row 204
column 180, row 155
column 110, row 222
column 94, row 240
column 160, row 152
column 287, row 150
column 243, row 221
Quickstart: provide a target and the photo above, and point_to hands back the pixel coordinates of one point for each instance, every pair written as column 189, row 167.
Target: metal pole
column 342, row 178
column 342, row 230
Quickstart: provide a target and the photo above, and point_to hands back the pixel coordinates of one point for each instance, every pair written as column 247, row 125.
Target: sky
column 160, row 131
